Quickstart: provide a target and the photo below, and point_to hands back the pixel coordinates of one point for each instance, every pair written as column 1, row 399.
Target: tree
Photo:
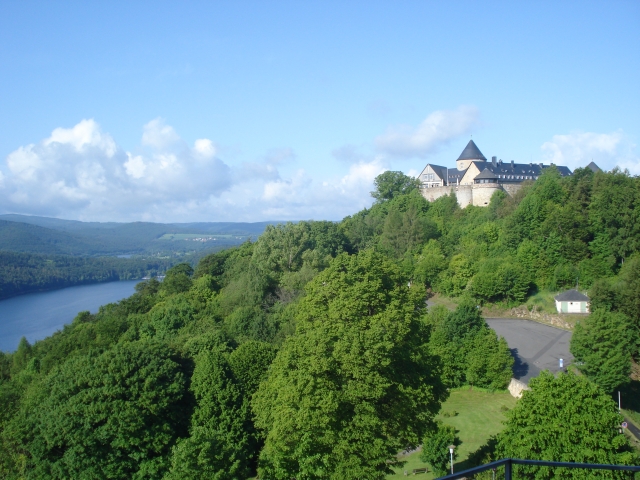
column 391, row 184
column 471, row 352
column 178, row 279
column 114, row 415
column 466, row 320
column 21, row 355
column 356, row 383
column 250, row 362
column 429, row 263
column 435, row 448
column 404, row 231
column 604, row 342
column 489, row 361
column 218, row 444
column 281, row 247
column 501, row 279
column 565, row 419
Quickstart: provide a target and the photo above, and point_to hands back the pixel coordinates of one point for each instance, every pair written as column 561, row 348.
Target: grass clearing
column 543, row 302
column 448, row 302
column 479, row 415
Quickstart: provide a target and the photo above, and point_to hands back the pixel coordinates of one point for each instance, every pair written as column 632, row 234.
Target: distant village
column 474, row 179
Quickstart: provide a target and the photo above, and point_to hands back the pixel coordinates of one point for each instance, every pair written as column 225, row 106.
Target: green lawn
column 479, row 416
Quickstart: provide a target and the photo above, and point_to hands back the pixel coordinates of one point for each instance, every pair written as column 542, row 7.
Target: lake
column 38, row 315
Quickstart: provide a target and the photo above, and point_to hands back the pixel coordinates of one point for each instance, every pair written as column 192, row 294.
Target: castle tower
column 471, row 153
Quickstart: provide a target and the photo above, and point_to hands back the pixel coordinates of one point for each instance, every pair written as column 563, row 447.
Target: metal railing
column 508, row 463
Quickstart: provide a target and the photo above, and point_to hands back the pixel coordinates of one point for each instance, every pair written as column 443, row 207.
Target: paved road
column 534, row 346
column 635, row 431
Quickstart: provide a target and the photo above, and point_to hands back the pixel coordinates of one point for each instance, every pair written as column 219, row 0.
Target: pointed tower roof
column 594, row 168
column 471, row 152
column 486, row 174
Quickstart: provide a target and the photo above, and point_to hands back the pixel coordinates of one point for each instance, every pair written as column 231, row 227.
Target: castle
column 475, row 180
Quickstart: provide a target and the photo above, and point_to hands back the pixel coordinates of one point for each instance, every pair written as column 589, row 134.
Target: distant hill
column 53, row 236
column 26, row 238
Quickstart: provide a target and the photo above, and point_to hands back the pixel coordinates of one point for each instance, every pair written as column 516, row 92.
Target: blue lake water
column 38, row 315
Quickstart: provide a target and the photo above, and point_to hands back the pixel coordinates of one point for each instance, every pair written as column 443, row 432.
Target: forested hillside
column 23, row 272
column 310, row 352
column 40, row 253
column 52, row 236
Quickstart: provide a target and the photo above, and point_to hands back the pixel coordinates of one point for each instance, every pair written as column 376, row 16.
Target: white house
column 572, row 301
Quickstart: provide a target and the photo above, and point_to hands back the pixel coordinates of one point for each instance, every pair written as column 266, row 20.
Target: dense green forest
column 311, row 354
column 24, row 272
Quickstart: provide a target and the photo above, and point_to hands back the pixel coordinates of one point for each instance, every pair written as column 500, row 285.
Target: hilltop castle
column 474, row 180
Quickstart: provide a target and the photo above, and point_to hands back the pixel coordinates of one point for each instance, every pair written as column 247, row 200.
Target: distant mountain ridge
column 53, row 236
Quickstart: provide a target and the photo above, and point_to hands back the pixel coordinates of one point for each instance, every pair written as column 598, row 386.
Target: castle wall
column 465, row 195
column 511, row 188
column 478, row 194
column 434, row 193
column 482, row 193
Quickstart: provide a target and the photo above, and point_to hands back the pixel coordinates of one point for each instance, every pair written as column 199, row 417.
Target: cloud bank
column 82, row 173
column 438, row 129
column 578, row 149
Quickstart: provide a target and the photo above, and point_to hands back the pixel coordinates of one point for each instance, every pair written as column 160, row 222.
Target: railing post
column 507, row 470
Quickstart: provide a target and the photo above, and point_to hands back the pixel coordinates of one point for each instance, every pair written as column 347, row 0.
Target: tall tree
column 218, row 444
column 114, row 415
column 355, row 383
column 435, row 448
column 391, row 184
column 565, row 419
column 604, row 342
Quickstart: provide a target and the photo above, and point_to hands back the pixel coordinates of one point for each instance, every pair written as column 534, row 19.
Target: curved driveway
column 534, row 346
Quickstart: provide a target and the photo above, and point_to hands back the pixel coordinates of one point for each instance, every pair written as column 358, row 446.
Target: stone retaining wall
column 550, row 319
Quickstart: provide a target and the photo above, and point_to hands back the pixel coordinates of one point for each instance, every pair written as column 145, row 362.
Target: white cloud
column 578, row 149
column 135, row 166
column 439, row 128
column 158, row 135
column 334, row 198
column 85, row 134
column 81, row 173
column 204, row 148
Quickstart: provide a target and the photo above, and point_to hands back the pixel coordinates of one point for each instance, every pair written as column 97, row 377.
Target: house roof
column 571, row 296
column 471, row 152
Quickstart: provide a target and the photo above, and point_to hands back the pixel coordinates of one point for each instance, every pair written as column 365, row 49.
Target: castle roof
column 440, row 171
column 471, row 152
column 486, row 174
column 594, row 168
column 523, row 170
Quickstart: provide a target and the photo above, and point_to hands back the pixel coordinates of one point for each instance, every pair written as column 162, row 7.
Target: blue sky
column 250, row 111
